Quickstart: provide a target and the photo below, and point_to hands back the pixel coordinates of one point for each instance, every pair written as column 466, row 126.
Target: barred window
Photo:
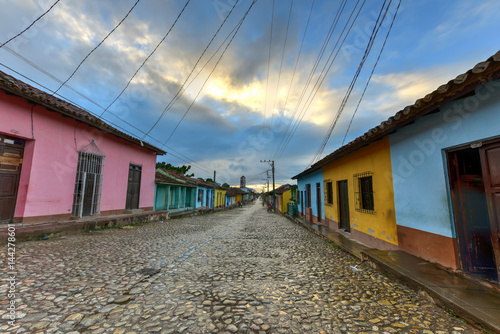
column 364, row 195
column 328, row 192
column 88, row 185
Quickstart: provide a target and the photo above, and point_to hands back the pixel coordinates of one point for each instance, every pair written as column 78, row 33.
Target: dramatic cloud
column 244, row 110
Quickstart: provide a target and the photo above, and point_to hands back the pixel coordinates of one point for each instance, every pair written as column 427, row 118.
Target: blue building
column 310, row 195
column 173, row 194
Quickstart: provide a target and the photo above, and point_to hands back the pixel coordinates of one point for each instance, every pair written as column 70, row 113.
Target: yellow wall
column 372, row 158
column 220, row 197
column 285, row 198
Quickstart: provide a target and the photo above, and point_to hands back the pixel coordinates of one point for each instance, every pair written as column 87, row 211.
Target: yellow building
column 359, row 195
column 220, row 197
column 283, row 197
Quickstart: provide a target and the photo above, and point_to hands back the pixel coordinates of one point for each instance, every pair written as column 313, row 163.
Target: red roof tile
column 22, row 89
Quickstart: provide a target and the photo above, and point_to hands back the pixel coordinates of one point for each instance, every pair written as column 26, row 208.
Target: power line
column 322, row 75
column 38, row 18
column 309, row 79
column 180, row 91
column 317, row 85
column 293, row 75
column 38, row 68
column 353, row 82
column 268, row 66
column 281, row 64
column 195, row 164
column 98, row 45
column 147, row 58
column 27, row 61
column 210, row 74
column 371, row 74
column 202, row 68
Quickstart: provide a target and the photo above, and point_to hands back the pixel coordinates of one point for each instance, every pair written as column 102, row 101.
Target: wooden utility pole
column 271, row 162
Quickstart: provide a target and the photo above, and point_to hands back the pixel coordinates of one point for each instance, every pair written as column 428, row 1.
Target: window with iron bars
column 328, row 189
column 363, row 183
column 88, row 186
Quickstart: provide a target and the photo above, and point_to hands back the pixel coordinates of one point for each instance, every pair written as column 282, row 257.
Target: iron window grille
column 364, row 196
column 328, row 189
column 87, row 196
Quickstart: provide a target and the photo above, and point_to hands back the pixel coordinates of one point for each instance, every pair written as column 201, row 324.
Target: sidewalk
column 465, row 298
column 25, row 232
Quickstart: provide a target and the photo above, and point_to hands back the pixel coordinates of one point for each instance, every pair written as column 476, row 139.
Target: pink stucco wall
column 49, row 167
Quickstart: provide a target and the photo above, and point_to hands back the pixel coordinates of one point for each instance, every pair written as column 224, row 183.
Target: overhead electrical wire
column 352, row 84
column 289, row 134
column 181, row 89
column 328, row 64
column 146, row 59
column 213, row 70
column 38, row 68
column 95, row 48
column 319, row 80
column 268, row 68
column 321, row 77
column 28, row 27
column 195, row 164
column 281, row 63
column 371, row 74
column 293, row 74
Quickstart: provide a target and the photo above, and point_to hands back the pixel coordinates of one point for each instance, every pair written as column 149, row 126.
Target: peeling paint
column 371, row 231
column 389, row 238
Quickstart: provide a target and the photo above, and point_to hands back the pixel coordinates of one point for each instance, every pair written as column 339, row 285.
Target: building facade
column 57, row 161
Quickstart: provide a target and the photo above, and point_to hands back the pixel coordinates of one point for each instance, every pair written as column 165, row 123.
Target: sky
column 226, row 85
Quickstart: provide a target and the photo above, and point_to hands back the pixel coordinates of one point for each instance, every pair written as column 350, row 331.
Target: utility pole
column 267, row 180
column 271, row 162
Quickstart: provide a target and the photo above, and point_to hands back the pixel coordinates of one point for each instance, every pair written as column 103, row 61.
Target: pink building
column 57, row 161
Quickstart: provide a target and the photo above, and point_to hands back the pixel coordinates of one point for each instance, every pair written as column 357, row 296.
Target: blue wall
column 418, row 157
column 203, row 201
column 312, row 178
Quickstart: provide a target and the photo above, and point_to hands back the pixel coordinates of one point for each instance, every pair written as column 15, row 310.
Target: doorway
column 11, row 158
column 134, row 187
column 318, row 196
column 344, row 205
column 468, row 178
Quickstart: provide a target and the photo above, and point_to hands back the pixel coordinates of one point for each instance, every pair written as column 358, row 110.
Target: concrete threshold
column 465, row 298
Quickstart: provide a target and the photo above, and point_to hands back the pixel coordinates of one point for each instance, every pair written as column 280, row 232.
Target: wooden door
column 344, row 205
column 470, row 212
column 318, row 197
column 11, row 158
column 89, row 194
column 490, row 160
column 134, row 187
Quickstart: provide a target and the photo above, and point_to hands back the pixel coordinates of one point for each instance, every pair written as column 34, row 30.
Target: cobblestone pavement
column 237, row 271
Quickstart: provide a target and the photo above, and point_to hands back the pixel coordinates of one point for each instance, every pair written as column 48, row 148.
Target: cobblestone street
column 236, row 271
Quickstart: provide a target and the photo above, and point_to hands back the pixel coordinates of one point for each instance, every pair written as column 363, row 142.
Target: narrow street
column 237, row 271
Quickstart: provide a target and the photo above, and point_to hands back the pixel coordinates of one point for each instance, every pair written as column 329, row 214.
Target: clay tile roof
column 234, row 191
column 162, row 178
column 282, row 189
column 463, row 84
column 22, row 89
